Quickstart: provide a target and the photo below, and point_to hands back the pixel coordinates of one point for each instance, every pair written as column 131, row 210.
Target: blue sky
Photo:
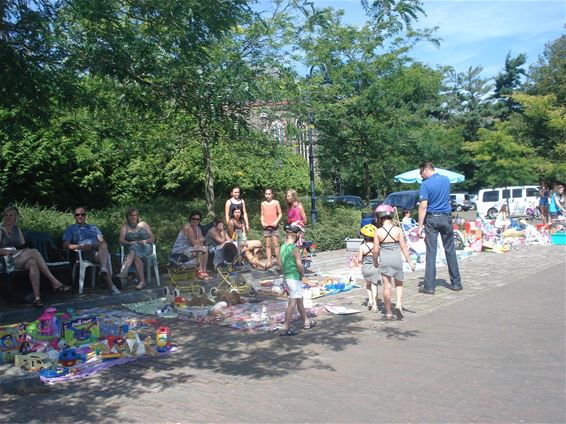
column 478, row 33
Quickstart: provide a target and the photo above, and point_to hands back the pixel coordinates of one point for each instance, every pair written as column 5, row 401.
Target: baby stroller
column 230, row 272
column 183, row 279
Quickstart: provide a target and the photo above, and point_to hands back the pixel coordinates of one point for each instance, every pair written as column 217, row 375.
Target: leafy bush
column 166, row 216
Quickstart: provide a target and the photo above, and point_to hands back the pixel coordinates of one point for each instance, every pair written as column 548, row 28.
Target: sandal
column 61, row 289
column 399, row 313
column 141, row 285
column 289, row 332
column 37, row 303
column 203, row 276
column 309, row 324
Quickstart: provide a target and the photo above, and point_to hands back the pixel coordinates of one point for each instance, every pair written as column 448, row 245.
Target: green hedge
column 166, row 216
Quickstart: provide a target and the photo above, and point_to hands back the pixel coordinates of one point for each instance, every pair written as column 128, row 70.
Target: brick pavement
column 224, row 375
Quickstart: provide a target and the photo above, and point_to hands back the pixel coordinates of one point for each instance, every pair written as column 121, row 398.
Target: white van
column 519, row 198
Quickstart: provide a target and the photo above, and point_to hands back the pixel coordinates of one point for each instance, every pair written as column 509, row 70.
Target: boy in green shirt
column 293, row 271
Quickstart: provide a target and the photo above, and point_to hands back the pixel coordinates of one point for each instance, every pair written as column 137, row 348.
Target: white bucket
column 307, row 298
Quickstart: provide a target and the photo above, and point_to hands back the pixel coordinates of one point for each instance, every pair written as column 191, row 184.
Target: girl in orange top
column 270, row 217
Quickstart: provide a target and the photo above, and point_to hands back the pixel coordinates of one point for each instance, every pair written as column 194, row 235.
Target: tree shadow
column 205, row 353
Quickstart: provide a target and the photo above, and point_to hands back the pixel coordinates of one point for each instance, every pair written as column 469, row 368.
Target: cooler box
column 353, row 244
column 558, row 238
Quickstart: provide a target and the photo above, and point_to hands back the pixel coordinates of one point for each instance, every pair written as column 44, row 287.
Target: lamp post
column 310, row 123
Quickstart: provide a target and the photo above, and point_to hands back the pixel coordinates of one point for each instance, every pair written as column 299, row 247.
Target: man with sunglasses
column 88, row 239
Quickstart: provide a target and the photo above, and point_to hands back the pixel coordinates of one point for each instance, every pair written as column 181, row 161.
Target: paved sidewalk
column 493, row 352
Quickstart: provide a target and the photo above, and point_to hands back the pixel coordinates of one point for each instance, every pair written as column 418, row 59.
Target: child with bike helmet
column 388, row 245
column 371, row 274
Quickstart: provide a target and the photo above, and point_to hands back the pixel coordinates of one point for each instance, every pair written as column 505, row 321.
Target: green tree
column 548, row 74
column 507, row 81
column 501, row 160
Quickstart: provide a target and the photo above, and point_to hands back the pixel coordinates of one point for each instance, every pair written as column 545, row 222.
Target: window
column 466, row 196
column 491, row 196
column 517, row 193
column 532, row 192
column 506, row 193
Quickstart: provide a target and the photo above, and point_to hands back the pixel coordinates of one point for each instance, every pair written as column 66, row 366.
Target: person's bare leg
column 34, row 255
column 302, row 310
column 33, row 275
column 369, row 294
column 289, row 313
column 102, row 258
column 399, row 299
column 268, row 248
column 203, row 259
column 126, row 265
column 387, row 294
column 375, row 296
column 138, row 263
column 275, row 241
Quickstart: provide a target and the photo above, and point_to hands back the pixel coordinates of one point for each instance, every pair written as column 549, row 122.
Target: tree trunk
column 208, row 177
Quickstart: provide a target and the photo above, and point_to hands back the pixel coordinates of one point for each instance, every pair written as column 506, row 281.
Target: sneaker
column 114, row 290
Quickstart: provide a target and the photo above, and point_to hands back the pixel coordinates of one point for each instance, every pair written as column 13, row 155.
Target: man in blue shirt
column 435, row 216
column 88, row 239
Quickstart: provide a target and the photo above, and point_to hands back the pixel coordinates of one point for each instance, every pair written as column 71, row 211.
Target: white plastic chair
column 83, row 264
column 147, row 264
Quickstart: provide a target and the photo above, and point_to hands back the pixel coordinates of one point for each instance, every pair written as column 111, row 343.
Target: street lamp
column 310, row 123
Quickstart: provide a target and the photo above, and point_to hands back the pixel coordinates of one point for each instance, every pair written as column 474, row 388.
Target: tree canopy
column 119, row 101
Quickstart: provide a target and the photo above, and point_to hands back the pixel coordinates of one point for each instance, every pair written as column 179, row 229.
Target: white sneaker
column 114, row 290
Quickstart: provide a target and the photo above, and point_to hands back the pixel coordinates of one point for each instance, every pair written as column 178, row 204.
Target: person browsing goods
column 435, row 217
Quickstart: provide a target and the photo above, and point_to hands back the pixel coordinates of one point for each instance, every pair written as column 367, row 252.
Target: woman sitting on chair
column 237, row 232
column 190, row 246
column 12, row 243
column 137, row 236
column 216, row 239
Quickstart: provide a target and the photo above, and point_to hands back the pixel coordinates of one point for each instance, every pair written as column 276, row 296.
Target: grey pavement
column 494, row 352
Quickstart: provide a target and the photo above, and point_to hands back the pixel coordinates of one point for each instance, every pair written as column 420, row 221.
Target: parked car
column 374, row 203
column 473, row 202
column 347, row 200
column 460, row 202
column 520, row 199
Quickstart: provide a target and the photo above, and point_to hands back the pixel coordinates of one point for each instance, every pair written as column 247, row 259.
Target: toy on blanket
column 163, row 339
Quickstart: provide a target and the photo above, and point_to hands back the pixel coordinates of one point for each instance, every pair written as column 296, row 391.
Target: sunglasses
column 80, row 214
column 195, row 219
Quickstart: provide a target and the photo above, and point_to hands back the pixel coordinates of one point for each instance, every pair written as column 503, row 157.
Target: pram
column 230, row 272
column 183, row 280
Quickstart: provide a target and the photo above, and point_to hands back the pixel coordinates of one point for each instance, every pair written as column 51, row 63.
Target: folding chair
column 230, row 271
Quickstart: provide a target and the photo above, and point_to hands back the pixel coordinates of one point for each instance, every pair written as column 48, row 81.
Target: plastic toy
column 53, row 373
column 7, row 342
column 110, row 356
column 162, row 339
column 147, row 346
column 33, row 361
column 69, row 357
column 23, row 340
column 48, row 322
column 81, row 330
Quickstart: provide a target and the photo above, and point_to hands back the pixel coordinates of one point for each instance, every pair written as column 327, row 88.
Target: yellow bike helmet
column 368, row 230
